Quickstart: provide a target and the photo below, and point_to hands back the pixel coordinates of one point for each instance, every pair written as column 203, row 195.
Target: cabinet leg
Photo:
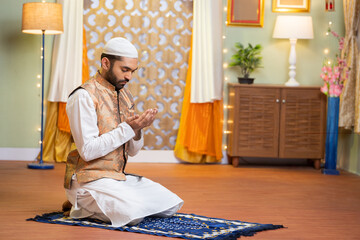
column 235, row 161
column 229, row 159
column 317, row 164
column 310, row 162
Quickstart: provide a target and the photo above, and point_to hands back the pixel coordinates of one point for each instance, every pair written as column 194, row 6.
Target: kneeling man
column 106, row 130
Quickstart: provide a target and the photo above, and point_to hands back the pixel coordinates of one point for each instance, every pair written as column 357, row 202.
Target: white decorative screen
column 161, row 31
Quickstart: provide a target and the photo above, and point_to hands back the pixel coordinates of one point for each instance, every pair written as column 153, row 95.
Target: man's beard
column 111, row 78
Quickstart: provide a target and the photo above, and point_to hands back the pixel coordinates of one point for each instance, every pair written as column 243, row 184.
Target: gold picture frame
column 291, row 6
column 245, row 13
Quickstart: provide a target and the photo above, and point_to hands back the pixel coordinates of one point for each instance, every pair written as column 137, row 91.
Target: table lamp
column 293, row 28
column 42, row 18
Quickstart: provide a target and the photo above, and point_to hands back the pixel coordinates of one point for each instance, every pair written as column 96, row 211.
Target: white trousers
column 121, row 202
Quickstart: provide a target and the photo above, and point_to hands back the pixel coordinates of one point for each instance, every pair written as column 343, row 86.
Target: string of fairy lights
column 226, row 80
column 326, row 50
column 38, row 85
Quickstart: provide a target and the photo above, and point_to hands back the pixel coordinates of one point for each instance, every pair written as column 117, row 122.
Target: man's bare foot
column 66, row 214
column 66, row 207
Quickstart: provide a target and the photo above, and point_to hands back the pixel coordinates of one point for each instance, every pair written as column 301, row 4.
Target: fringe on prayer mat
column 186, row 226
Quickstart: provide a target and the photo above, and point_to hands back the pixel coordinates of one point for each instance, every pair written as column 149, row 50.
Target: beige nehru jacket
column 112, row 108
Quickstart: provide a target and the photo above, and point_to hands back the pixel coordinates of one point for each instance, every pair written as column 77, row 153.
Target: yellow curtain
column 57, row 137
column 199, row 138
column 57, row 143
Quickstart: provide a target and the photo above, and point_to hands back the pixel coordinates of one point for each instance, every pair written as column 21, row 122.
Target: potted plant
column 247, row 59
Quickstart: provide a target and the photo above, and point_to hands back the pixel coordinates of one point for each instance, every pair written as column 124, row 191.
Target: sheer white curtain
column 206, row 75
column 66, row 72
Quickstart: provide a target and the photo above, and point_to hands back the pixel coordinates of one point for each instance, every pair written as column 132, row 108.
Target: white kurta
column 118, row 202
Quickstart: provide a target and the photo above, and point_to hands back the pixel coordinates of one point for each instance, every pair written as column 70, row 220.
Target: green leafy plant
column 247, row 58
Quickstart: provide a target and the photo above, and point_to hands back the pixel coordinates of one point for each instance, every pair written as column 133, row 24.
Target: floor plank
column 311, row 205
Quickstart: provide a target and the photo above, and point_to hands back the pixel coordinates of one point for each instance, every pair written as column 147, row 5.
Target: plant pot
column 246, row 80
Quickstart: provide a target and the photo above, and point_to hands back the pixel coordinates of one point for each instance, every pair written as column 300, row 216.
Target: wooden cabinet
column 276, row 122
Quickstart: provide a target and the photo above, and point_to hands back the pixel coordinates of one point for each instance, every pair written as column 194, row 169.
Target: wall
column 275, row 52
column 310, row 56
column 348, row 151
column 20, row 63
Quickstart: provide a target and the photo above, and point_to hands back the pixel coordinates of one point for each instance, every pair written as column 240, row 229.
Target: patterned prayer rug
column 186, row 226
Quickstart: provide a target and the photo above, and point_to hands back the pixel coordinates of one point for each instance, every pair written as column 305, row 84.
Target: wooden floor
column 309, row 204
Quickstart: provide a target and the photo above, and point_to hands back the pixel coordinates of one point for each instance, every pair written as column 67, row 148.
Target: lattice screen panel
column 161, row 31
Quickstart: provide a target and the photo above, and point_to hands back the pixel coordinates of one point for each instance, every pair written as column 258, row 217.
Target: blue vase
column 332, row 126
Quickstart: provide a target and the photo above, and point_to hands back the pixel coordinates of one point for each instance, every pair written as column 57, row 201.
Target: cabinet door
column 256, row 122
column 302, row 123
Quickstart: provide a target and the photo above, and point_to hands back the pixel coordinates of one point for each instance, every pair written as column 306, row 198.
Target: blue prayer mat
column 186, row 226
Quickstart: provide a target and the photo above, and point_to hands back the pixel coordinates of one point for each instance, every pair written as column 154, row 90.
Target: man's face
column 120, row 72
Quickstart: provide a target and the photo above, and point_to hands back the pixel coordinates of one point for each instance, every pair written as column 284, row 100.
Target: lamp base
column 292, row 83
column 42, row 166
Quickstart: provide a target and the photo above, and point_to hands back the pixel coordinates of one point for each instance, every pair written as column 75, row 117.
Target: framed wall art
column 291, row 6
column 247, row 13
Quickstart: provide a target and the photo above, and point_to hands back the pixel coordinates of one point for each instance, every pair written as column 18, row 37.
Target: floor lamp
column 293, row 28
column 42, row 18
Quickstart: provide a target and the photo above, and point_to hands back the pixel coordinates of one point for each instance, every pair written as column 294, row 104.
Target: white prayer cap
column 120, row 47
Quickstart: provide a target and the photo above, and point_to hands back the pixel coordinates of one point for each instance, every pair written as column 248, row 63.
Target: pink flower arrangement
column 335, row 75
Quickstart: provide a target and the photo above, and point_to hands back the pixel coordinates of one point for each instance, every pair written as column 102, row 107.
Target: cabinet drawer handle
column 284, row 101
column 277, row 100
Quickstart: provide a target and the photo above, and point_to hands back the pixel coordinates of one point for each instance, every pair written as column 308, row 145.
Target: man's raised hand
column 144, row 120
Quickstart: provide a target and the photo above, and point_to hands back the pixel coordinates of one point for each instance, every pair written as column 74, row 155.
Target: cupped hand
column 137, row 122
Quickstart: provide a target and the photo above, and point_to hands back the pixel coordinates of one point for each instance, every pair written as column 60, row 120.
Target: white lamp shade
column 293, row 27
column 39, row 16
